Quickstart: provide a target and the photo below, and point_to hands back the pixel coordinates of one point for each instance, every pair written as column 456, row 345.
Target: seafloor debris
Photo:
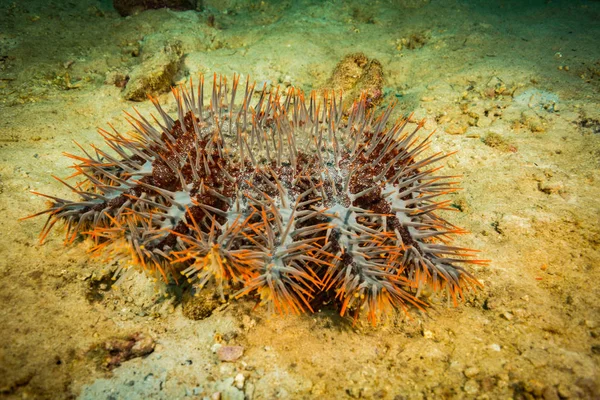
column 230, row 353
column 413, row 42
column 284, row 197
column 115, row 351
column 199, row 306
column 154, row 74
column 356, row 74
column 129, row 7
column 499, row 142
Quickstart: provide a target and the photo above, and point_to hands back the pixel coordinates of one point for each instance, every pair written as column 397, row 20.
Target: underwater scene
column 241, row 199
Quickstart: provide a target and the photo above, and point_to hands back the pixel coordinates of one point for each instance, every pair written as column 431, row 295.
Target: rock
column 356, row 74
column 537, row 357
column 564, row 391
column 499, row 142
column 414, row 41
column 591, row 324
column 116, row 78
column 155, row 74
column 551, row 187
column 471, row 372
column 531, row 120
column 143, row 345
column 130, row 7
column 239, row 381
column 550, row 393
column 507, row 315
column 471, row 387
column 230, row 353
column 115, row 351
column 495, row 347
column 458, row 126
column 199, row 306
column 484, row 122
column 534, row 387
column 427, row 334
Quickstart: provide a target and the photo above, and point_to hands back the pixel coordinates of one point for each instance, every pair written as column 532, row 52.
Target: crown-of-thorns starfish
column 293, row 199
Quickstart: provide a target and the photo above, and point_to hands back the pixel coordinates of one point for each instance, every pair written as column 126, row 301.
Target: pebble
column 230, row 353
column 495, row 347
column 471, row 372
column 591, row 324
column 563, row 391
column 507, row 315
column 144, row 345
column 535, row 387
column 457, row 128
column 239, row 381
column 471, row 386
column 550, row 393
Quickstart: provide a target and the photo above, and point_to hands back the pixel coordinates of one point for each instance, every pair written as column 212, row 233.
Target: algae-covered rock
column 199, row 306
column 356, row 73
column 129, row 7
column 496, row 141
column 113, row 352
column 532, row 121
column 154, row 74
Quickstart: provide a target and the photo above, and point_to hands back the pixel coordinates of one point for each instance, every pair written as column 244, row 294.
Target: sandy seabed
column 514, row 88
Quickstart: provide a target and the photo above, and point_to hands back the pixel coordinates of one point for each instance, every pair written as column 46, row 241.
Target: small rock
column 535, row 387
column 215, row 347
column 239, row 381
column 116, row 78
column 484, row 122
column 508, row 316
column 487, row 384
column 115, row 351
column 591, row 324
column 550, row 187
column 457, row 127
column 230, row 353
column 537, row 357
column 199, row 306
column 155, row 74
column 550, row 393
column 427, row 334
column 495, row 347
column 471, row 372
column 248, row 323
column 144, row 345
column 531, row 120
column 356, row 74
column 471, row 386
column 564, row 391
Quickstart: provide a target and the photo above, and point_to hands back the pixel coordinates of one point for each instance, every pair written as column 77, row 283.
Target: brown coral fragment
column 356, row 74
